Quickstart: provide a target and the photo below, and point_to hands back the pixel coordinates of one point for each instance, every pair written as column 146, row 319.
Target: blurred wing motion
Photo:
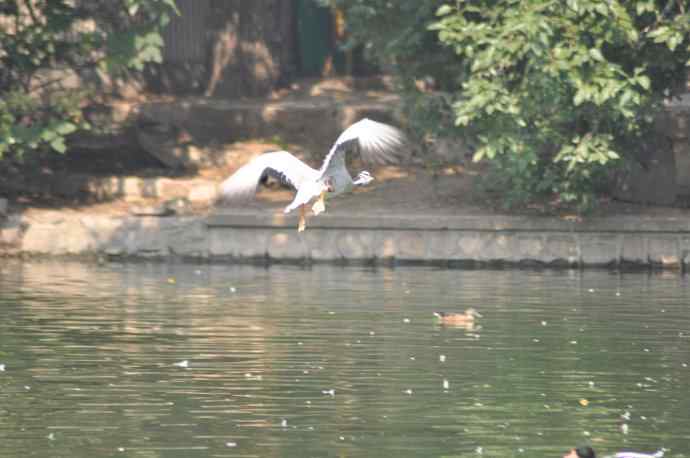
column 378, row 144
column 241, row 185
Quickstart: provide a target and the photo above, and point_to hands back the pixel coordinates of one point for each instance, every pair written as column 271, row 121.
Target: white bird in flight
column 377, row 142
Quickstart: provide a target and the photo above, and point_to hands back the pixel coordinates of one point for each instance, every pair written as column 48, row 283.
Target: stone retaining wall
column 252, row 237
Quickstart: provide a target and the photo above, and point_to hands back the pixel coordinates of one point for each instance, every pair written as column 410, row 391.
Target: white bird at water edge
column 377, row 142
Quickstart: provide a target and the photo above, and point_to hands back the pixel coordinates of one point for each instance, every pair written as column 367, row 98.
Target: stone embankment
column 380, row 233
column 386, row 239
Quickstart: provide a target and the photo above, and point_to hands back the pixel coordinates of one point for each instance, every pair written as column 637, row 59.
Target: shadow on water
column 188, row 360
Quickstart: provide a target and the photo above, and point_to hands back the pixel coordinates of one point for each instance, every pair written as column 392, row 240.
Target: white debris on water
column 624, row 428
column 184, row 363
column 2, row 368
column 231, row 444
column 446, row 384
column 330, row 392
column 233, row 289
column 591, row 290
column 408, row 391
column 283, row 423
column 406, row 320
column 479, row 450
column 442, row 358
column 543, row 323
column 120, row 449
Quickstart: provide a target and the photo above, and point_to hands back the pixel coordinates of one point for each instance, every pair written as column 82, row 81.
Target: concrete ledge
column 484, row 222
column 264, row 236
column 615, row 240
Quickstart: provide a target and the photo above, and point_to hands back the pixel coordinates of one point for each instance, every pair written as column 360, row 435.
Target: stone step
column 132, row 188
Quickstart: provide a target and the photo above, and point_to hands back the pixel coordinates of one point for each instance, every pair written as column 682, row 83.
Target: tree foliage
column 44, row 41
column 553, row 92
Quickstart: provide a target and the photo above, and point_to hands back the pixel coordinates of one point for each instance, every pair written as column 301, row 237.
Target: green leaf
column 65, row 128
column 613, row 155
column 444, row 10
column 48, row 135
column 596, row 55
column 59, row 145
column 644, row 81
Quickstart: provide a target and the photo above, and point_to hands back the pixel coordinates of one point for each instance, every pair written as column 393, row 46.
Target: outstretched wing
column 379, row 143
column 241, row 185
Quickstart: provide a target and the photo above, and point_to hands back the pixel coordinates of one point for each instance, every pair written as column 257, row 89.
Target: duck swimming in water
column 657, row 454
column 458, row 319
column 588, row 452
column 580, row 452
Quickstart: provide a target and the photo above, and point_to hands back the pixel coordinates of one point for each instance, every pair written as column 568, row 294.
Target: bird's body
column 658, row 454
column 377, row 142
column 458, row 319
column 588, row 452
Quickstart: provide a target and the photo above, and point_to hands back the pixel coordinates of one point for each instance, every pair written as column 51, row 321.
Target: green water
column 340, row 362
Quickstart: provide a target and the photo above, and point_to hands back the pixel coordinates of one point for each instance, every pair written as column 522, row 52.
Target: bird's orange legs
column 318, row 207
column 302, row 218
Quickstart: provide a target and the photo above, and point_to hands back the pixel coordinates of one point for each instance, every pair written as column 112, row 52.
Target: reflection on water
column 189, row 360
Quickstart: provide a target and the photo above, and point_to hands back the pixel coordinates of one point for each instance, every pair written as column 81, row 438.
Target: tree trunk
column 228, row 48
column 252, row 47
